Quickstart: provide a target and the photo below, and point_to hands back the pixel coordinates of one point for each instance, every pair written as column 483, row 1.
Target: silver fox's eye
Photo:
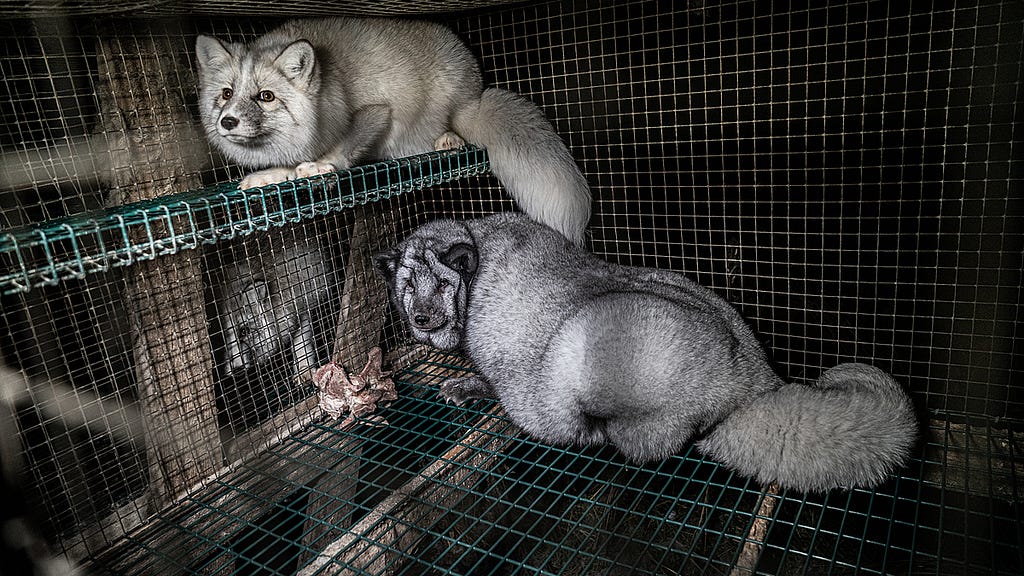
column 227, row 93
column 265, row 96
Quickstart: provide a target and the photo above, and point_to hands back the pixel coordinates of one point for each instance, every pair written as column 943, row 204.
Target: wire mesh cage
column 848, row 175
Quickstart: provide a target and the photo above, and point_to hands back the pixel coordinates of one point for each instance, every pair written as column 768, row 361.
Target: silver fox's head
column 429, row 277
column 258, row 104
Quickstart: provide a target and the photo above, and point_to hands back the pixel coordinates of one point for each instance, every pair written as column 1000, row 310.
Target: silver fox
column 581, row 351
column 268, row 298
column 314, row 96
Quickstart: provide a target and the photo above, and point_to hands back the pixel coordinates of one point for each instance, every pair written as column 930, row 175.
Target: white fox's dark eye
column 265, row 96
column 445, row 285
column 409, row 288
column 227, row 93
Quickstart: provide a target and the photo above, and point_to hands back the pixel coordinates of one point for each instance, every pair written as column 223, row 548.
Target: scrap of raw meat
column 360, row 394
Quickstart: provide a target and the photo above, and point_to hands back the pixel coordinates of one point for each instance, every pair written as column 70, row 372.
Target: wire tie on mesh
column 267, row 213
column 100, row 263
column 285, row 212
column 149, row 236
column 337, row 186
column 425, row 173
column 413, row 178
column 297, row 210
column 129, row 256
column 395, row 182
column 50, row 263
column 450, row 165
column 194, row 236
column 340, row 192
column 21, row 265
column 407, row 176
column 172, row 240
column 362, row 176
column 246, row 225
column 230, row 224
column 317, row 207
column 77, row 267
column 371, row 191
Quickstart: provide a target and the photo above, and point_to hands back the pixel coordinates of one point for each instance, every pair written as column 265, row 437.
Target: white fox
column 269, row 302
column 314, row 96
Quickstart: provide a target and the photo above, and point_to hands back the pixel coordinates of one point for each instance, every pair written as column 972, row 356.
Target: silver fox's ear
column 297, row 61
column 211, row 53
column 462, row 258
column 387, row 264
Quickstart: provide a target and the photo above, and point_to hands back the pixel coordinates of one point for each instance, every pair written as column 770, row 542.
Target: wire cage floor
column 450, row 490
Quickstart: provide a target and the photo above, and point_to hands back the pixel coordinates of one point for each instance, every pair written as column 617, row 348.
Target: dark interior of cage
column 847, row 176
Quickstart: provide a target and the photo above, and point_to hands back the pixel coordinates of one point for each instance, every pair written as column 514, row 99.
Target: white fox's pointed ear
column 210, row 52
column 297, row 61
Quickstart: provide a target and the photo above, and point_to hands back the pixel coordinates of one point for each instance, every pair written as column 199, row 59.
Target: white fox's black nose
column 421, row 320
column 229, row 122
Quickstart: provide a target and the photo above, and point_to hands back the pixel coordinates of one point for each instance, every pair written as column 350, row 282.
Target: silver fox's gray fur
column 268, row 299
column 314, row 96
column 581, row 351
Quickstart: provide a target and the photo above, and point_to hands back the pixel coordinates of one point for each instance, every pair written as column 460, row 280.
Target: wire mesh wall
column 848, row 175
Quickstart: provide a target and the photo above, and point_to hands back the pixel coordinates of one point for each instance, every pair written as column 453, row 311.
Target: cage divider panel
column 147, row 235
column 173, row 361
column 358, row 329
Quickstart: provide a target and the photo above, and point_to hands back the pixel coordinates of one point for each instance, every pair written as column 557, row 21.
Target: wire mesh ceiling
column 292, row 8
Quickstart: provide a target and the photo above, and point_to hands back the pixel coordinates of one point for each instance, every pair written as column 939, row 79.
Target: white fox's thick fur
column 315, row 96
column 269, row 298
column 583, row 351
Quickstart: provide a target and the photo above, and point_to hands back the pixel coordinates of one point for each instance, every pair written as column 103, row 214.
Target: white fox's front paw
column 307, row 169
column 264, row 177
column 448, row 141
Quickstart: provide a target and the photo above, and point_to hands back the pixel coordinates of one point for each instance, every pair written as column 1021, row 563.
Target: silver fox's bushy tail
column 529, row 159
column 853, row 427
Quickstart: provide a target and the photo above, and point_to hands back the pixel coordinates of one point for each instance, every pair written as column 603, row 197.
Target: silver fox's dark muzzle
column 428, row 322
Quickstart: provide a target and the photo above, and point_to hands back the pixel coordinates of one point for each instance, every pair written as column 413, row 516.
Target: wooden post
column 393, row 525
column 750, row 554
column 364, row 298
column 140, row 94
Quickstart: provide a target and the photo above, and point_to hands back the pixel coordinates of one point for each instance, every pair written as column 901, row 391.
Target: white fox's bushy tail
column 853, row 427
column 529, row 159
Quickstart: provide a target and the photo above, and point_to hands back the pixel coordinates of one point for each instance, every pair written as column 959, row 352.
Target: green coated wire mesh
column 461, row 490
column 846, row 174
column 75, row 246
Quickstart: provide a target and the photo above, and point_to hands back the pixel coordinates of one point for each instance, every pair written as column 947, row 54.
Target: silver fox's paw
column 461, row 390
column 307, row 169
column 266, row 177
column 448, row 141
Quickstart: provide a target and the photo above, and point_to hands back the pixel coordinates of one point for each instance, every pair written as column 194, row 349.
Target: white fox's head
column 251, row 332
column 259, row 104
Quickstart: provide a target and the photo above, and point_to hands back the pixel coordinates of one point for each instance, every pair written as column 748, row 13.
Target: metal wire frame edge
column 311, row 196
